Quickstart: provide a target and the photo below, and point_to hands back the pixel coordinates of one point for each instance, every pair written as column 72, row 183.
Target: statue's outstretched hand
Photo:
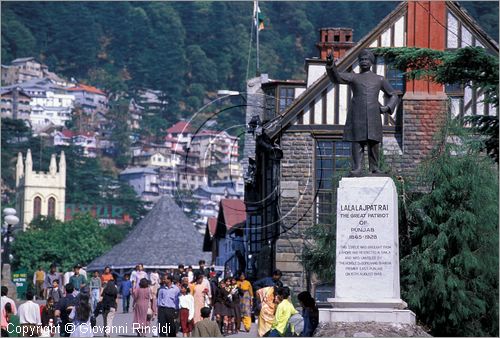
column 329, row 59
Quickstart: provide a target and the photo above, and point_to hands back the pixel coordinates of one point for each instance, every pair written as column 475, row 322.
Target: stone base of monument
column 381, row 311
column 367, row 254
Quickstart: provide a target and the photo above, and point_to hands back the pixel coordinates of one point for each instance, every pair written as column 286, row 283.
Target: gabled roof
column 85, row 88
column 288, row 116
column 163, row 239
column 180, row 127
column 233, row 212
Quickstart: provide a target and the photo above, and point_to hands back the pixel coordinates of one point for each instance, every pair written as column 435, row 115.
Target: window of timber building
column 332, row 160
column 396, row 78
column 287, row 95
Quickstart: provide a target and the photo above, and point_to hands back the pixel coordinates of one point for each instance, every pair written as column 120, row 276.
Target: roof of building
column 180, row 127
column 86, row 88
column 19, row 60
column 138, row 170
column 9, row 90
column 234, row 212
column 68, row 133
column 219, row 190
column 212, row 225
column 163, row 239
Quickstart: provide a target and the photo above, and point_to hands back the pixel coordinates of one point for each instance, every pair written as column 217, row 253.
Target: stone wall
column 423, row 117
column 296, row 205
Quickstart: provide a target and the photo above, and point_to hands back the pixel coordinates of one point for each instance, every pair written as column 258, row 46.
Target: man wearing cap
column 77, row 280
column 363, row 126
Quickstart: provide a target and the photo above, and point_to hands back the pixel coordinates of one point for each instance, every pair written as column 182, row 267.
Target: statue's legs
column 373, row 156
column 357, row 152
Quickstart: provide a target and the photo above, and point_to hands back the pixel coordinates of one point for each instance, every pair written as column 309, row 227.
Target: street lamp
column 10, row 219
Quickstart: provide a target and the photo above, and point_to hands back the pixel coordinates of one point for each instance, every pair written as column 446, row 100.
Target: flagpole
column 257, row 36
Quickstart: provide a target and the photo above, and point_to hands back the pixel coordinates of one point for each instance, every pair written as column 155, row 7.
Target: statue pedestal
column 367, row 254
column 7, row 281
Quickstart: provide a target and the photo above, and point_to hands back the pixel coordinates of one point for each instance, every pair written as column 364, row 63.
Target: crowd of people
column 197, row 302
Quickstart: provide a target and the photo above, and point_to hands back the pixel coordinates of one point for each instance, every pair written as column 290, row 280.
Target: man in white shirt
column 29, row 316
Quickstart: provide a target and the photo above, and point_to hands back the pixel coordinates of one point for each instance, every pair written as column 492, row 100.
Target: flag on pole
column 258, row 16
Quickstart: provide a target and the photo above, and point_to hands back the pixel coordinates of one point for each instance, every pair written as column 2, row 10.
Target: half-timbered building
column 299, row 147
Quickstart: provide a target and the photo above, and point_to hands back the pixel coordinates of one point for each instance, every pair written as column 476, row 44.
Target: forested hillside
column 184, row 49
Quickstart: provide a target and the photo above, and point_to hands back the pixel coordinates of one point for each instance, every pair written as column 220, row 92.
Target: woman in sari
column 267, row 309
column 199, row 298
column 246, row 301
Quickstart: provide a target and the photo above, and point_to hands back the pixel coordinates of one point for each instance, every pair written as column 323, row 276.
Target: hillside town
column 47, row 102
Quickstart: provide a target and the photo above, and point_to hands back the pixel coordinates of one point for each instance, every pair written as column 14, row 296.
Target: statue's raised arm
column 334, row 74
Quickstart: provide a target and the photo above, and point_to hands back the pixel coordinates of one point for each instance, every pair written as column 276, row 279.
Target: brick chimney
column 336, row 40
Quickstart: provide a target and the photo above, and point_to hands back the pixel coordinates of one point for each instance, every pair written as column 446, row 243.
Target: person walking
column 4, row 301
column 154, row 278
column 106, row 276
column 47, row 313
column 80, row 315
column 12, row 321
column 77, row 279
column 199, row 297
column 186, row 312
column 221, row 309
column 139, row 274
column 246, row 301
column 142, row 305
column 64, row 308
column 284, row 311
column 168, row 304
column 310, row 313
column 206, row 327
column 50, row 277
column 95, row 285
column 55, row 292
column 29, row 316
column 109, row 305
column 265, row 297
column 38, row 282
column 125, row 292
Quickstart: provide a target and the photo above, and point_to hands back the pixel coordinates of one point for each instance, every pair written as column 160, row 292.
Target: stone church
column 297, row 145
column 40, row 193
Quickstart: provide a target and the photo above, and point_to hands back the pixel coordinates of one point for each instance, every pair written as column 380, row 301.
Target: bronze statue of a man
column 363, row 125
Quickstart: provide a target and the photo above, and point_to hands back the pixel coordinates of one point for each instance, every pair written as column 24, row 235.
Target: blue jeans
column 94, row 296
column 126, row 303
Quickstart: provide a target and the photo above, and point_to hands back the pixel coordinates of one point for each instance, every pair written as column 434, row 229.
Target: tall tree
column 451, row 276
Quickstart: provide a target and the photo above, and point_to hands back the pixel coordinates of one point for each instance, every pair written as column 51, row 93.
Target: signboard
column 20, row 278
column 107, row 214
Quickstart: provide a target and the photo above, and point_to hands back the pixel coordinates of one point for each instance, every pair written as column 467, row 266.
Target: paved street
column 122, row 323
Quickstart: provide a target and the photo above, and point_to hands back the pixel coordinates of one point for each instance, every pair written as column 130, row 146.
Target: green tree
column 450, row 279
column 120, row 134
column 77, row 241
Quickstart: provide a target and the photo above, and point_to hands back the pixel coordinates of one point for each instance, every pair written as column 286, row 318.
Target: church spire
column 19, row 168
column 53, row 165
